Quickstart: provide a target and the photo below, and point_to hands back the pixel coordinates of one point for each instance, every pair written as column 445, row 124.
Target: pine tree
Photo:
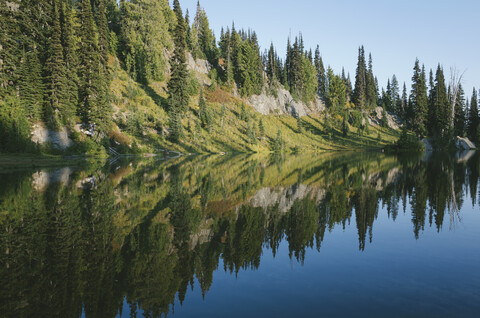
column 188, row 31
column 243, row 112
column 359, row 92
column 419, row 100
column 57, row 110
column 402, row 111
column 278, row 143
column 271, row 60
column 336, row 92
column 145, row 35
column 345, row 127
column 320, row 72
column 299, row 124
column 70, row 57
column 9, row 52
column 31, row 88
column 371, row 90
column 439, row 107
column 177, row 86
column 459, row 120
column 206, row 38
column 103, row 33
column 473, row 118
column 94, row 107
column 206, row 117
column 251, row 135
column 261, row 128
column 395, row 93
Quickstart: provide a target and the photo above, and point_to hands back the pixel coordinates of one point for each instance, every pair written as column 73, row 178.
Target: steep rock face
column 58, row 139
column 393, row 120
column 201, row 68
column 283, row 103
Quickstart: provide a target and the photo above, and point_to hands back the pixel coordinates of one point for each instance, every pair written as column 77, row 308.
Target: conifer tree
column 345, row 127
column 31, row 88
column 402, row 111
column 70, row 57
column 188, row 31
column 371, row 90
column 93, row 102
column 261, row 128
column 395, row 95
column 459, row 120
column 473, row 118
column 419, row 100
column 251, row 135
column 206, row 117
column 9, row 49
column 206, row 38
column 299, row 124
column 439, row 107
column 57, row 110
column 103, row 33
column 177, row 86
column 320, row 72
column 359, row 92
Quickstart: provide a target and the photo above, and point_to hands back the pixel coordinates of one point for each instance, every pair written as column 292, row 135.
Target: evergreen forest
column 138, row 76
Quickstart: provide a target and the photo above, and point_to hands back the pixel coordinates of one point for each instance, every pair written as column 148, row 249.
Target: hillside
column 100, row 80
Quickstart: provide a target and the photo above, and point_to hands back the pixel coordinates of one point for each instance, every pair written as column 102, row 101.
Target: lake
column 331, row 235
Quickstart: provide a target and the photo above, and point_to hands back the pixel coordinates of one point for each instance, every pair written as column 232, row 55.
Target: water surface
column 336, row 235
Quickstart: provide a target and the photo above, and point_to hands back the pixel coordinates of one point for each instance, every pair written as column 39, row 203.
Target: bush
column 14, row 127
column 408, row 142
column 193, row 85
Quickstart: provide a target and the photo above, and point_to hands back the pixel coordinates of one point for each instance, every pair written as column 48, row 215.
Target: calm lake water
column 336, row 235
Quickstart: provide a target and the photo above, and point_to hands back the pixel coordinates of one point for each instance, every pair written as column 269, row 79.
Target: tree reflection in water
column 144, row 230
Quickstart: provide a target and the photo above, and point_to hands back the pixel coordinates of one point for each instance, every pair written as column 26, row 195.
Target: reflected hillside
column 84, row 239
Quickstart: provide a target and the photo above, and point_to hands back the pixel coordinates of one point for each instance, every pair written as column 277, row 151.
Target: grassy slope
column 143, row 106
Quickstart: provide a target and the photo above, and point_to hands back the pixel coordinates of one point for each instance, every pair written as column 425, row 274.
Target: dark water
column 353, row 235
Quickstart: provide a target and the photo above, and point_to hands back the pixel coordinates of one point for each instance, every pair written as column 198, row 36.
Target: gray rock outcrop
column 58, row 139
column 393, row 120
column 283, row 103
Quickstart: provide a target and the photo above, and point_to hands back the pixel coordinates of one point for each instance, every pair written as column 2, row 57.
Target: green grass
column 144, row 106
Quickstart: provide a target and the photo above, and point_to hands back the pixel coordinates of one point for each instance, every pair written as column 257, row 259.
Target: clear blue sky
column 395, row 32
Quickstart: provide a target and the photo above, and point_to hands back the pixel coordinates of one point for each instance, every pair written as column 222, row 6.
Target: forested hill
column 92, row 76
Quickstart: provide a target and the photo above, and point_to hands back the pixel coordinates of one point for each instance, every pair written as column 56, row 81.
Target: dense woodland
column 56, row 57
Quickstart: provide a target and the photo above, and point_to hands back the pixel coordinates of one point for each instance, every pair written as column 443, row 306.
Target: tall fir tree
column 359, row 92
column 395, row 94
column 320, row 72
column 371, row 90
column 69, row 44
column 419, row 101
column 473, row 118
column 57, row 111
column 177, row 86
column 402, row 111
column 439, row 107
column 459, row 120
column 94, row 108
column 9, row 52
column 31, row 87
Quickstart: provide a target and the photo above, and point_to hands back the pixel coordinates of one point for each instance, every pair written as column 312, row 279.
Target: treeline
column 54, row 68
